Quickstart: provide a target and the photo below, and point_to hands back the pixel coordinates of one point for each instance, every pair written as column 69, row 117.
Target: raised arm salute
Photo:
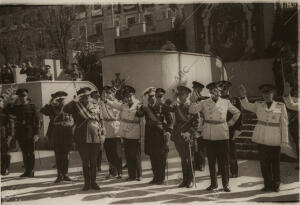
column 270, row 133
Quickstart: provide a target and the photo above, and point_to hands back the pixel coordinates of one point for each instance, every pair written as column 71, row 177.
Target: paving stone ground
column 42, row 190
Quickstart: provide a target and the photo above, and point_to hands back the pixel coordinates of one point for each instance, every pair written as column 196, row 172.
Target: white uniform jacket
column 130, row 127
column 272, row 125
column 215, row 126
column 111, row 118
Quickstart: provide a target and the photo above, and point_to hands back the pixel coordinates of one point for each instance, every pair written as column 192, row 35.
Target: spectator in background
column 75, row 74
column 7, row 75
column 32, row 73
column 169, row 46
column 46, row 73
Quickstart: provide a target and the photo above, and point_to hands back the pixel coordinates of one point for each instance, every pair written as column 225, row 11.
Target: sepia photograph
column 149, row 102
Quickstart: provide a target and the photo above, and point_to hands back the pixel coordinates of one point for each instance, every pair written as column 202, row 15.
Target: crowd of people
column 199, row 127
column 34, row 72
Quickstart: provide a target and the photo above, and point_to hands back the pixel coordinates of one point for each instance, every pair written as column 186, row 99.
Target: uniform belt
column 109, row 120
column 271, row 124
column 214, row 122
column 131, row 121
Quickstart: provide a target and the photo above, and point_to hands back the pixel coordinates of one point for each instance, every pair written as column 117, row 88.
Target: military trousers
column 269, row 157
column 61, row 152
column 218, row 150
column 158, row 164
column 200, row 154
column 113, row 151
column 27, row 148
column 88, row 153
column 132, row 149
column 233, row 164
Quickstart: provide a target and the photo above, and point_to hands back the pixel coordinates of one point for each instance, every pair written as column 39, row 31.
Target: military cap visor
column 160, row 91
column 265, row 88
column 225, row 83
column 183, row 89
column 22, row 92
column 84, row 91
column 129, row 89
column 59, row 94
column 197, row 84
column 95, row 93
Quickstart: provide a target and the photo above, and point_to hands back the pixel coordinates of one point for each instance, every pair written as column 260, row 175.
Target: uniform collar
column 273, row 105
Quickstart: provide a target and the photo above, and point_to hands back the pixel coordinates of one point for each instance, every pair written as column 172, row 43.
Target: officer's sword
column 190, row 151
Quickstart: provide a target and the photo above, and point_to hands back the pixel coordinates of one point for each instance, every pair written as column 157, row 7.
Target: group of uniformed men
column 196, row 124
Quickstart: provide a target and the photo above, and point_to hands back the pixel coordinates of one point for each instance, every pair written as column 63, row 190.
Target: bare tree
column 56, row 22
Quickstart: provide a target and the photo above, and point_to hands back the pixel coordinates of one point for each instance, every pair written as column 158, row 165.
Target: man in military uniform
column 6, row 134
column 215, row 132
column 89, row 133
column 234, row 130
column 158, row 130
column 46, row 73
column 130, row 130
column 200, row 152
column 270, row 133
column 184, row 134
column 61, row 136
column 96, row 100
column 113, row 143
column 27, row 129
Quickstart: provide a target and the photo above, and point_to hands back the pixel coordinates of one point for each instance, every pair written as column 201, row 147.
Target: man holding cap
column 270, row 133
column 215, row 132
column 27, row 129
column 158, row 130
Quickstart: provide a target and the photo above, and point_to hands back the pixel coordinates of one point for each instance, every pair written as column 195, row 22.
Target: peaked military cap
column 225, row 83
column 197, row 84
column 129, row 90
column 182, row 88
column 59, row 94
column 21, row 91
column 160, row 91
column 266, row 88
column 84, row 91
column 150, row 91
column 213, row 85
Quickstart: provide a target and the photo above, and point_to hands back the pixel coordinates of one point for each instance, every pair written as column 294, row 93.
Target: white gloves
column 186, row 136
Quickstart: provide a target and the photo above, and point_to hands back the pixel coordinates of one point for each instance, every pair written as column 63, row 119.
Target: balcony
column 81, row 15
column 97, row 12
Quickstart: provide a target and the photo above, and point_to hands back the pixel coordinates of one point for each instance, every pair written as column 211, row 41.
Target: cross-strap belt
column 271, row 124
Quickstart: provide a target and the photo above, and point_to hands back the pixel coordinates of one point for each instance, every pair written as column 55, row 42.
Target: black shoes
column 189, row 185
column 233, row 176
column 153, row 181
column 139, row 179
column 58, row 179
column 265, row 189
column 226, row 189
column 160, row 182
column 212, row 187
column 31, row 174
column 66, row 178
column 276, row 189
column 182, row 184
column 95, row 186
column 86, row 187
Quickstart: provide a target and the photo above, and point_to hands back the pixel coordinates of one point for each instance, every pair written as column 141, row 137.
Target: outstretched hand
column 242, row 90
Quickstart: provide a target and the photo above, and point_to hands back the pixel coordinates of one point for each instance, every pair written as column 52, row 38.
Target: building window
column 131, row 20
column 117, row 23
column 148, row 19
column 98, row 28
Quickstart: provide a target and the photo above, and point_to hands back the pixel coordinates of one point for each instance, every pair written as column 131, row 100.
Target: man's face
column 159, row 97
column 23, row 98
column 128, row 99
column 182, row 96
column 151, row 99
column 225, row 91
column 215, row 92
column 268, row 96
column 61, row 101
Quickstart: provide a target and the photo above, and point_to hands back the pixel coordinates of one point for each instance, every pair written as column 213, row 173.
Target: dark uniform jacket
column 158, row 121
column 26, row 121
column 6, row 129
column 60, row 131
column 184, row 122
column 88, row 128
